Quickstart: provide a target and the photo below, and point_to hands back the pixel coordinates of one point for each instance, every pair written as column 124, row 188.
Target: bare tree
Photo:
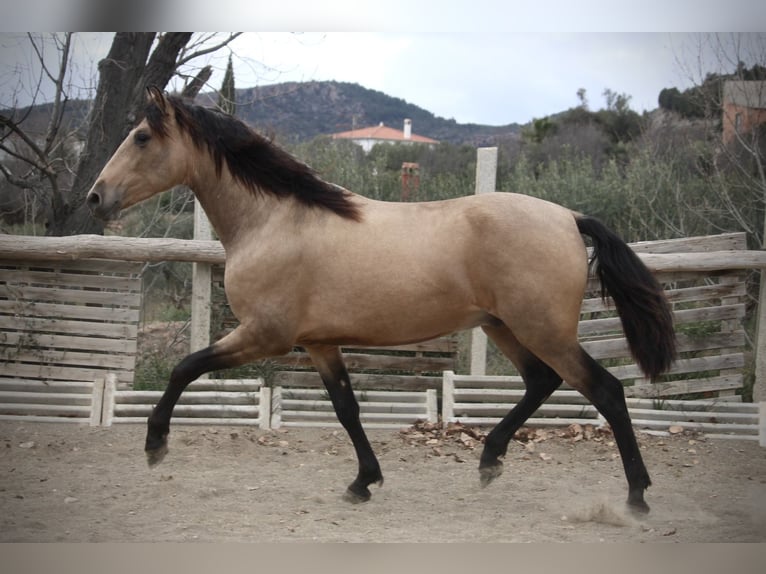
column 40, row 154
column 736, row 169
column 135, row 61
column 124, row 74
column 727, row 74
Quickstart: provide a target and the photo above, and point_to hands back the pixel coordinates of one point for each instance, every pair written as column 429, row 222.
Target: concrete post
column 759, row 385
column 486, row 176
column 201, row 279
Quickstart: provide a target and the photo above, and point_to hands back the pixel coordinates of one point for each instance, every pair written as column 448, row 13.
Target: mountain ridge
column 301, row 111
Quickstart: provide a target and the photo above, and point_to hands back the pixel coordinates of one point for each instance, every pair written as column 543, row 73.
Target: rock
column 467, row 440
column 71, row 499
column 676, row 429
column 28, row 444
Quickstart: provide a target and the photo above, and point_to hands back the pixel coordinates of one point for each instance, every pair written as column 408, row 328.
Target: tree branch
column 187, row 58
column 43, row 166
column 14, row 180
column 58, row 105
column 193, row 88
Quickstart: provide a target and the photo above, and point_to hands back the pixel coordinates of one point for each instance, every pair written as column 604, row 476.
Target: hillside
column 300, row 111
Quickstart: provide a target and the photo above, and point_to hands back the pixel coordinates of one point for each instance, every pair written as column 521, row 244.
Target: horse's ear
column 154, row 94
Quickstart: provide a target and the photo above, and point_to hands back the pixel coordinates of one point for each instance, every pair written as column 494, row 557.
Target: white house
column 368, row 137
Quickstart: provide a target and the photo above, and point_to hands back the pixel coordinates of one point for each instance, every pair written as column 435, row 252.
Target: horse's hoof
column 638, row 507
column 489, row 473
column 358, row 492
column 156, row 455
column 357, row 495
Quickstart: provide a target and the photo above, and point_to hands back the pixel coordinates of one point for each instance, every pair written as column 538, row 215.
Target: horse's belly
column 390, row 325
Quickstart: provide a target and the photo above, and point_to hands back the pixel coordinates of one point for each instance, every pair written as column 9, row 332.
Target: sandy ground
column 69, row 483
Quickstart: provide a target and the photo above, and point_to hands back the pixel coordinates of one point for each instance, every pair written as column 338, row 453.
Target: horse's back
column 523, row 234
column 449, row 264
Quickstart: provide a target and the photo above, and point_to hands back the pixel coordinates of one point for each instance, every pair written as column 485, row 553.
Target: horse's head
column 150, row 160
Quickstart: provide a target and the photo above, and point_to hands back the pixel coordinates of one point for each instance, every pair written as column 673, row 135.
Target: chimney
column 408, row 129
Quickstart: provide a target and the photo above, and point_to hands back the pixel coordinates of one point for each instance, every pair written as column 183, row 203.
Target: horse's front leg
column 236, row 348
column 329, row 362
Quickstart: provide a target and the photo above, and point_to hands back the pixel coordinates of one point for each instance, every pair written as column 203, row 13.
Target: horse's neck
column 234, row 212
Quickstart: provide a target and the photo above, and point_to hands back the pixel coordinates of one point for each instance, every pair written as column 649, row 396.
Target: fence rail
column 377, row 409
column 249, row 402
column 208, row 401
column 484, row 400
column 37, row 248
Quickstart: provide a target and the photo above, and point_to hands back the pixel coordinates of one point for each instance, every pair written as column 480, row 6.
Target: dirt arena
column 69, row 483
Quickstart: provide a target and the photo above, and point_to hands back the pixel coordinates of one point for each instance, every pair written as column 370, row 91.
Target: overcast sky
column 488, row 78
column 508, row 72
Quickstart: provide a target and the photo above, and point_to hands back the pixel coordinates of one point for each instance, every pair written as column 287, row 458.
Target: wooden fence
column 477, row 400
column 413, row 367
column 377, row 409
column 249, row 402
column 205, row 402
column 63, row 326
column 705, row 283
column 708, row 311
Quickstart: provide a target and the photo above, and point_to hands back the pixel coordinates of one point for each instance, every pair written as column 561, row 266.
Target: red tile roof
column 381, row 132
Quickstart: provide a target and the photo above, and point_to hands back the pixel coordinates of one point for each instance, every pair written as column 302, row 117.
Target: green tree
column 227, row 99
column 619, row 122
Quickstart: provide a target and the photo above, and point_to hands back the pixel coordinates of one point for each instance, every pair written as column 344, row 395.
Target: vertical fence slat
column 448, row 395
column 264, row 407
column 108, row 398
column 759, row 386
column 97, row 402
column 276, row 407
column 432, row 406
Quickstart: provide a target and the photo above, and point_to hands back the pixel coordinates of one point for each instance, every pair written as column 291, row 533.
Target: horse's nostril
column 93, row 199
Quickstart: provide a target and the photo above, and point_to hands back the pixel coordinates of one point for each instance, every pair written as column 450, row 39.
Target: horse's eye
column 141, row 138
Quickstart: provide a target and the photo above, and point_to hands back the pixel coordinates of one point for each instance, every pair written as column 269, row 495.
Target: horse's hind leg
column 540, row 381
column 606, row 393
column 329, row 362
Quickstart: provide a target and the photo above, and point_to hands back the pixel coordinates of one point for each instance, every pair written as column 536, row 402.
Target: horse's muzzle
column 99, row 203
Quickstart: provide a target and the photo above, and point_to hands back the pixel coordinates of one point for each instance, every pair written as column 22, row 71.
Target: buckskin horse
column 309, row 263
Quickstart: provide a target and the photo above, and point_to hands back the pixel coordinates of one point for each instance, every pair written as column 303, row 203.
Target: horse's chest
column 258, row 292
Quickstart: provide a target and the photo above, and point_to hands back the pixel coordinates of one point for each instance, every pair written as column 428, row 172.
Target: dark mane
column 252, row 159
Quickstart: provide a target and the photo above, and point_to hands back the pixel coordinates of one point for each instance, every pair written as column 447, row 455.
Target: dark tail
column 644, row 311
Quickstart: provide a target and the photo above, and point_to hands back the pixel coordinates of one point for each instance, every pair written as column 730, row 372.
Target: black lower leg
column 540, row 381
column 347, row 410
column 329, row 362
column 608, row 396
column 158, row 424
